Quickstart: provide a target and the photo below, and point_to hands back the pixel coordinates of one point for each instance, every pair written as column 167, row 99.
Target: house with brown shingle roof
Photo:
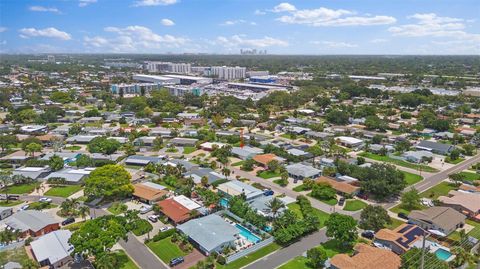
column 149, row 192
column 340, row 186
column 264, row 159
column 401, row 239
column 366, row 257
column 464, row 202
column 443, row 219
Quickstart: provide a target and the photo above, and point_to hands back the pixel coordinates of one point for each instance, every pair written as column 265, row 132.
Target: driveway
column 191, row 259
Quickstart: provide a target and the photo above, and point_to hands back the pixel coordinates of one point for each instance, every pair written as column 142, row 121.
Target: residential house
column 350, row 142
column 341, row 187
column 178, row 209
column 210, row 174
column 260, row 204
column 264, row 159
column 66, row 156
column 235, row 188
column 34, row 129
column 210, row 233
column 149, row 192
column 443, row 219
column 142, row 160
column 401, row 239
column 465, row 202
column 299, row 171
column 81, row 139
column 299, row 153
column 435, row 147
column 32, row 172
column 72, row 175
column 53, row 249
column 417, row 156
column 246, row 152
column 210, row 146
column 18, row 157
column 32, row 222
column 184, row 142
column 366, row 257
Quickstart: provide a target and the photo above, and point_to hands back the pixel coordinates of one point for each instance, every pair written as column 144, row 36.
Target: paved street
column 285, row 254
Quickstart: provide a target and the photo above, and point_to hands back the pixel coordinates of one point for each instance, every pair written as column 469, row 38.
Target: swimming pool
column 224, row 202
column 247, row 234
column 443, row 254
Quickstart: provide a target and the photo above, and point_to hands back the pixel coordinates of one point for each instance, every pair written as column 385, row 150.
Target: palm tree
column 6, row 180
column 226, row 172
column 462, row 257
column 83, row 212
column 274, row 206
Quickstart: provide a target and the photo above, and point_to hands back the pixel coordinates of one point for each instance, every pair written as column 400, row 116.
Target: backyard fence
column 249, row 250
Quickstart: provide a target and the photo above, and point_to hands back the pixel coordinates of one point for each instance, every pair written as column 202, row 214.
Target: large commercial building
column 188, row 80
column 162, row 80
column 180, row 68
column 228, row 72
column 181, row 90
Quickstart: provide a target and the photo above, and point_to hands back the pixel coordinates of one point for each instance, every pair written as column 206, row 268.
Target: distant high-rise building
column 51, row 58
column 179, row 68
column 228, row 72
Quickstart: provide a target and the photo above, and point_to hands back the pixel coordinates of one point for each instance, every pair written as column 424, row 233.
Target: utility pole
column 422, row 261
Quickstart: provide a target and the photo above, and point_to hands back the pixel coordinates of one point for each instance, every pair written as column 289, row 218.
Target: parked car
column 176, row 261
column 153, row 218
column 164, row 229
column 341, row 201
column 145, row 209
column 268, row 192
column 368, row 234
column 45, row 200
column 68, row 221
column 402, row 215
column 24, row 207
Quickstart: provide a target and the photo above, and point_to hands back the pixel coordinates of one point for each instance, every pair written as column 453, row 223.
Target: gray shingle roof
column 30, row 220
column 302, row 170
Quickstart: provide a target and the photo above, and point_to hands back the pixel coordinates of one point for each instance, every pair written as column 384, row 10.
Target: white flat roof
column 186, row 202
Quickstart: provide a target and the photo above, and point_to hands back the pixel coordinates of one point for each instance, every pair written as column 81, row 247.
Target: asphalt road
column 283, row 255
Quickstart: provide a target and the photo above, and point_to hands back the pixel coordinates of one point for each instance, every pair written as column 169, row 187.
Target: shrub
column 221, row 260
column 163, row 235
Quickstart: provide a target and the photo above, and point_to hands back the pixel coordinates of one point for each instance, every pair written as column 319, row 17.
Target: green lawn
column 411, row 178
column 457, row 161
column 322, row 216
column 166, row 250
column 470, row 176
column 63, row 191
column 124, row 261
column 188, row 150
column 73, row 148
column 395, row 223
column 296, row 263
column 441, row 189
column 142, row 227
column 238, row 163
column 117, row 208
column 328, row 202
column 399, row 209
column 268, row 174
column 354, row 205
column 14, row 255
column 301, row 188
column 250, row 257
column 40, row 206
column 476, row 231
column 334, row 247
column 397, row 162
column 4, row 203
column 22, row 188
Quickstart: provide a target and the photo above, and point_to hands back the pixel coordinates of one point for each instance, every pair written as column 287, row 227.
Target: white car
column 45, row 199
column 164, row 229
column 145, row 209
column 24, row 207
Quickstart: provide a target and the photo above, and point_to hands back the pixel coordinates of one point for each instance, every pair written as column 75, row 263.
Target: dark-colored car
column 402, row 215
column 268, row 192
column 341, row 201
column 176, row 261
column 368, row 234
column 68, row 221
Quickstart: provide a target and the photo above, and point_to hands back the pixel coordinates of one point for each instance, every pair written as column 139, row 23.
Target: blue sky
column 226, row 26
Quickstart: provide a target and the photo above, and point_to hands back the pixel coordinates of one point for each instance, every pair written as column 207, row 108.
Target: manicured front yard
column 124, row 261
column 334, row 247
column 328, row 202
column 166, row 250
column 411, row 178
column 188, row 150
column 40, row 206
column 354, row 205
column 296, row 263
column 63, row 191
column 457, row 161
column 142, row 227
column 322, row 216
column 476, row 231
column 441, row 189
column 4, row 203
column 470, row 176
column 238, row 163
column 268, row 174
column 250, row 257
column 395, row 223
column 399, row 209
column 301, row 188
column 397, row 162
column 21, row 189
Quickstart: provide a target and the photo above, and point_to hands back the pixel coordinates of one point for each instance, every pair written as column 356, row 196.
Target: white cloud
column 167, row 22
column 147, row 3
column 328, row 17
column 44, row 9
column 432, row 25
column 134, row 39
column 242, row 41
column 282, row 7
column 47, row 32
column 235, row 22
column 379, row 40
column 259, row 12
column 3, row 29
column 84, row 3
column 334, row 44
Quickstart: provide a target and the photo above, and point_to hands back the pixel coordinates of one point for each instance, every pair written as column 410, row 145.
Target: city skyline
column 280, row 27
